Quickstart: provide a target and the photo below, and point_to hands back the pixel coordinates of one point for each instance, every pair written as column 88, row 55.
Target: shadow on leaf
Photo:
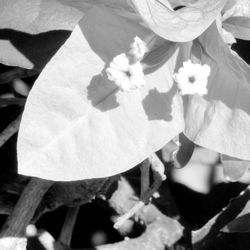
column 101, row 93
column 158, row 106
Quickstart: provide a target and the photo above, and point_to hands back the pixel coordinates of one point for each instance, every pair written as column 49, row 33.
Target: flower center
column 127, row 73
column 191, row 79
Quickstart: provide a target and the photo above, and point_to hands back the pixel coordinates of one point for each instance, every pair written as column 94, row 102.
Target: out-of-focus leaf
column 233, row 168
column 241, row 223
column 238, row 26
column 182, row 25
column 26, row 25
column 204, row 238
column 32, row 31
column 220, row 120
column 20, row 87
column 34, row 17
column 77, row 126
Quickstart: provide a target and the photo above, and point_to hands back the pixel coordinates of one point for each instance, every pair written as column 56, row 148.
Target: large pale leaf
column 182, row 25
column 220, row 120
column 76, row 125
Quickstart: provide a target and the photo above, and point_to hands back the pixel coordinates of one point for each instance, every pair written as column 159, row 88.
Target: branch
column 68, row 226
column 159, row 176
column 11, row 129
column 12, row 101
column 145, row 180
column 16, row 73
column 25, row 208
column 203, row 238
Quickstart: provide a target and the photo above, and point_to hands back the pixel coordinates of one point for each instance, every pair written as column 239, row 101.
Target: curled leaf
column 220, row 120
column 238, row 26
column 182, row 25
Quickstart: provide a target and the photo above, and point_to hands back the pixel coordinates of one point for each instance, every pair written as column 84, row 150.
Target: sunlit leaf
column 220, row 120
column 182, row 25
column 238, row 26
column 77, row 126
column 233, row 168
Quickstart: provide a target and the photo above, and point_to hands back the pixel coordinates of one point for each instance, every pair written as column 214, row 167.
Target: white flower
column 125, row 75
column 192, row 78
column 138, row 49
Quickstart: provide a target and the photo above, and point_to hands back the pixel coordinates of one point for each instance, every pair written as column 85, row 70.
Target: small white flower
column 192, row 78
column 138, row 49
column 125, row 75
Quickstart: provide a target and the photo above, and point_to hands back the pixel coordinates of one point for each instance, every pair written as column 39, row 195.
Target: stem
column 68, row 226
column 145, row 180
column 25, row 208
column 16, row 73
column 11, row 129
column 158, row 175
column 12, row 101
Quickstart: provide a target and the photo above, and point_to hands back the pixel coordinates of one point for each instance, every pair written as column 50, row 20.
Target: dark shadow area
column 242, row 48
column 198, row 208
column 231, row 241
column 8, row 150
column 158, row 106
column 38, row 48
column 34, row 243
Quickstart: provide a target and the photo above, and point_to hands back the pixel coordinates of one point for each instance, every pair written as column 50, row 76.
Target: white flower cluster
column 192, row 78
column 127, row 71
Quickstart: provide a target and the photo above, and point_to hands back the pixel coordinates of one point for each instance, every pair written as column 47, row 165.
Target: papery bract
column 77, row 126
column 182, row 25
column 220, row 120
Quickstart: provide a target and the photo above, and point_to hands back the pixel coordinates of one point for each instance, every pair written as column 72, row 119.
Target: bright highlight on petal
column 192, row 78
column 127, row 71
